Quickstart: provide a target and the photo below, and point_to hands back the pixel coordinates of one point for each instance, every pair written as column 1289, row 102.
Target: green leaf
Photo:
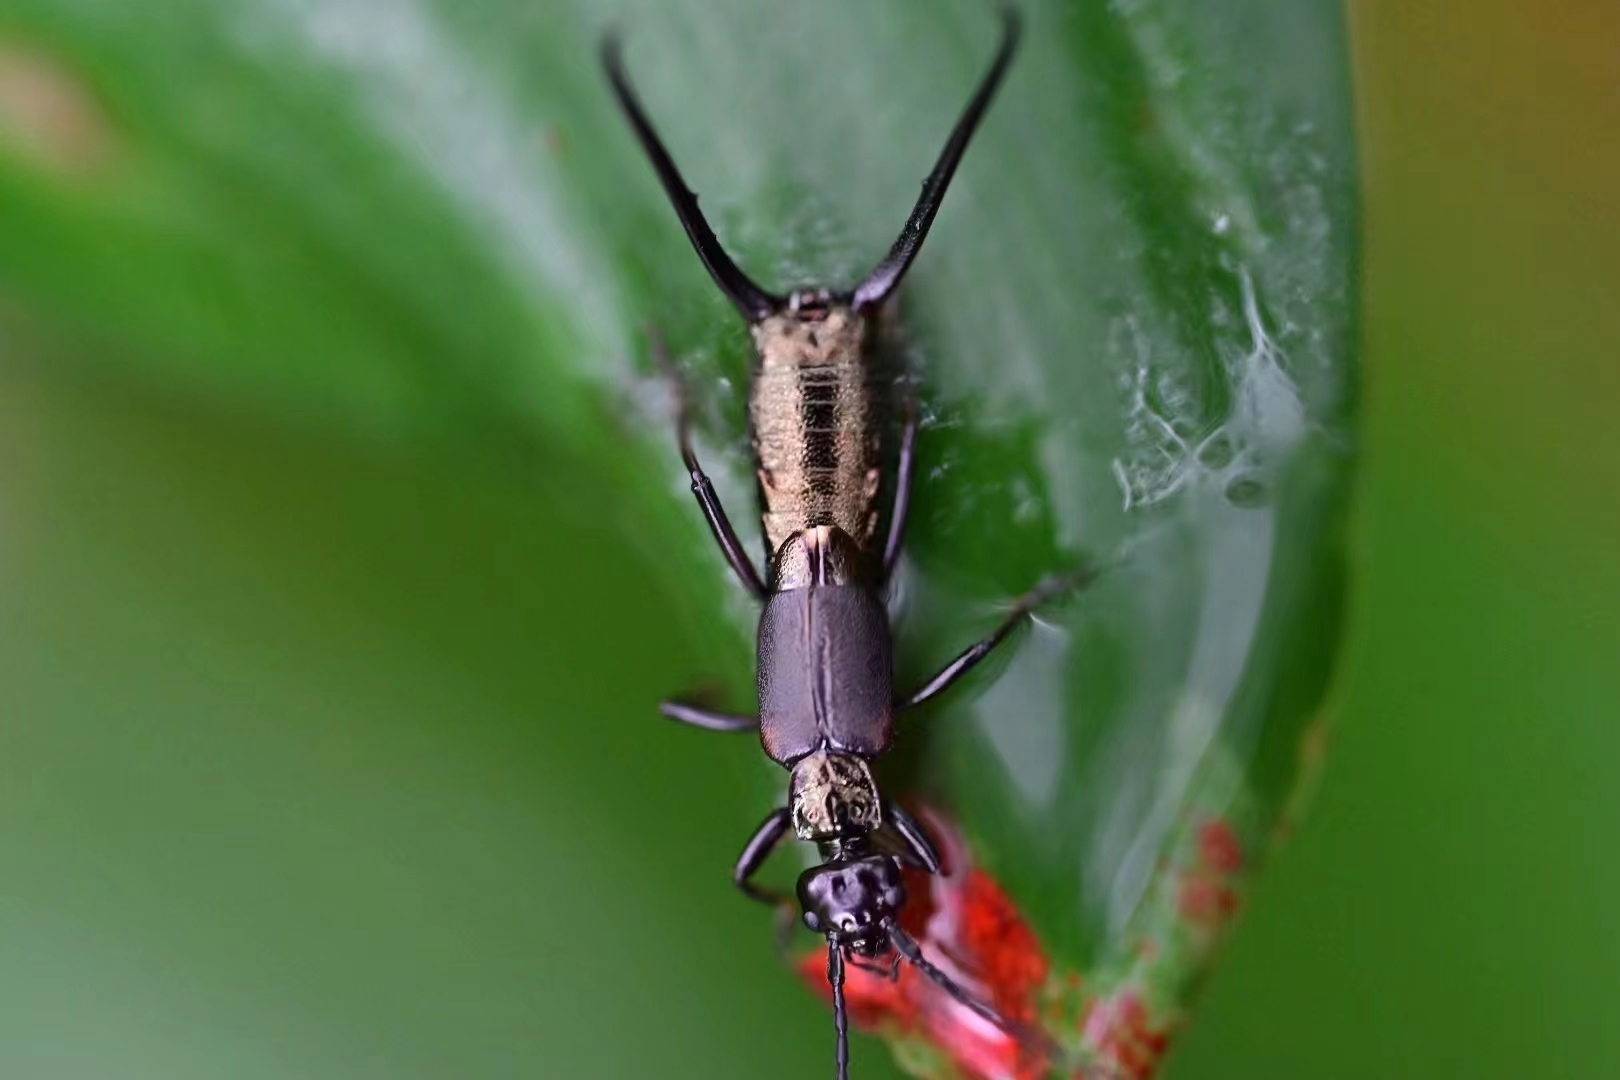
column 423, row 227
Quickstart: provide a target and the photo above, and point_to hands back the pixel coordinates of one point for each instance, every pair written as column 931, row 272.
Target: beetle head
column 853, row 901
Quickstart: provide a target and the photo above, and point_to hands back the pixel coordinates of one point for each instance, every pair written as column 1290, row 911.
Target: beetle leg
column 719, row 524
column 902, row 487
column 707, row 719
column 969, row 658
column 759, row 848
column 919, row 845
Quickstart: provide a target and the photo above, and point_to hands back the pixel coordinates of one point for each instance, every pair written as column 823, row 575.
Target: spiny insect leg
column 715, row 513
column 764, row 841
column 904, row 473
column 969, row 658
column 759, row 848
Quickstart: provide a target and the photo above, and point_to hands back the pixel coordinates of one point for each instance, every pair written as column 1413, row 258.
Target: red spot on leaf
column 1206, row 897
column 1219, row 849
column 1121, row 1030
column 1207, row 901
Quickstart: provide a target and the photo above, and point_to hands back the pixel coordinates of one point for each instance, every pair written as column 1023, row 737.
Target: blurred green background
column 272, row 802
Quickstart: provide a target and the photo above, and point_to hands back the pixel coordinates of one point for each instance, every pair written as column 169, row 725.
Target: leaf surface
column 425, row 227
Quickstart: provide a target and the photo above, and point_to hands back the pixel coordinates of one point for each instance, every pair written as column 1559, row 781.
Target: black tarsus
column 835, row 976
column 968, row 659
column 754, row 303
column 713, row 511
column 882, row 281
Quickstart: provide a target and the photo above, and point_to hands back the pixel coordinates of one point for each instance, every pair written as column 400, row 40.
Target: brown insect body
column 819, row 406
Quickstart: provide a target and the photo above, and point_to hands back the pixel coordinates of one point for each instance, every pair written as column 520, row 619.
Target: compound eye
column 812, row 922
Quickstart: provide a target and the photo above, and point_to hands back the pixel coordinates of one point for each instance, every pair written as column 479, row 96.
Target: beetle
column 817, row 407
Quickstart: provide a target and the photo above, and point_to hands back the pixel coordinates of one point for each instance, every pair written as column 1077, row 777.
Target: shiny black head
column 853, row 901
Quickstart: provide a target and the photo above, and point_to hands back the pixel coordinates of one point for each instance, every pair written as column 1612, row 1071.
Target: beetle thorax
column 833, row 795
column 821, row 555
column 817, row 332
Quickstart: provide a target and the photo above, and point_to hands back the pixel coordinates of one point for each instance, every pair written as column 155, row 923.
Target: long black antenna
column 907, row 946
column 754, row 303
column 835, row 975
column 881, row 281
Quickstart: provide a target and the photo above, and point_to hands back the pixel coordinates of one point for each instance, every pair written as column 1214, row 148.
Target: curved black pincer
column 882, row 281
column 754, row 303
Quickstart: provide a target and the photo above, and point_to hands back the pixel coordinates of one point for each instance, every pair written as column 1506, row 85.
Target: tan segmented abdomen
column 817, row 408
